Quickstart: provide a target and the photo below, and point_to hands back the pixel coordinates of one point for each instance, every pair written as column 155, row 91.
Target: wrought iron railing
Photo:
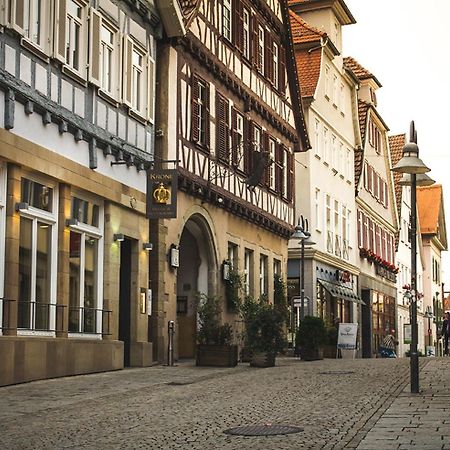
column 50, row 317
column 87, row 320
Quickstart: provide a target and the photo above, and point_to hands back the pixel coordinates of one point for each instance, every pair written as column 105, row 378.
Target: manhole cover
column 337, row 372
column 262, row 430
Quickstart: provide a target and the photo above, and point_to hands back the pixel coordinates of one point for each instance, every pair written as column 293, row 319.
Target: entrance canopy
column 341, row 292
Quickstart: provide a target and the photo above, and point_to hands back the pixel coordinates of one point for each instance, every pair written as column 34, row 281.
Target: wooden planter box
column 309, row 354
column 217, row 355
column 262, row 359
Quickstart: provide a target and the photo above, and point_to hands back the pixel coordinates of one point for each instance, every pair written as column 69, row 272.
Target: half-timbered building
column 231, row 118
column 76, row 133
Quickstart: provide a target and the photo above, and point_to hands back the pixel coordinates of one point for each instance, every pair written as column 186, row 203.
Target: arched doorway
column 197, row 272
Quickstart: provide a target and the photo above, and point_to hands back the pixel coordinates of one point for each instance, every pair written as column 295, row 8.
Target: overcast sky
column 405, row 44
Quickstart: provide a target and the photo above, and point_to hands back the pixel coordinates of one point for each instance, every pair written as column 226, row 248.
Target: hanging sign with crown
column 162, row 186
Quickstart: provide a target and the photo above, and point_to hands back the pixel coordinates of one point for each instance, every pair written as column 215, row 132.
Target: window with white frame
column 327, row 82
column 238, row 139
column 285, row 171
column 337, row 229
column 342, row 98
column 75, row 35
column 233, row 255
column 328, row 222
column 334, row 156
column 263, row 275
column 260, row 49
column 246, row 33
column 272, row 147
column 335, row 91
column 317, row 148
column 317, row 208
column 326, row 145
column 348, row 165
column 2, row 236
column 38, row 247
column 31, row 18
column 85, row 265
column 248, row 271
column 275, row 61
column 226, row 19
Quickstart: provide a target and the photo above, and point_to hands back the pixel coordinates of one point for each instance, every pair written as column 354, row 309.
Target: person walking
column 387, row 347
column 446, row 331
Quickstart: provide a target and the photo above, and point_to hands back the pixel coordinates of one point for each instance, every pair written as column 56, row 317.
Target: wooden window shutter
column 249, row 146
column 282, row 70
column 195, row 110
column 222, row 128
column 207, row 118
column 95, row 48
column 59, row 43
column 265, row 149
column 291, row 178
column 238, row 23
column 127, row 81
column 17, row 15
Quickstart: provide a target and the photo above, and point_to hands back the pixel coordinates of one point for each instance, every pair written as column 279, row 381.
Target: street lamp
column 301, row 232
column 410, row 163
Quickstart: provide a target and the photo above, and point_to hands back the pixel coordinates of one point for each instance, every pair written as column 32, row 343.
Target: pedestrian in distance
column 446, row 331
column 387, row 347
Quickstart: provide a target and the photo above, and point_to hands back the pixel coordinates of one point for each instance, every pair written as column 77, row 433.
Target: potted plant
column 233, row 288
column 264, row 334
column 310, row 338
column 214, row 340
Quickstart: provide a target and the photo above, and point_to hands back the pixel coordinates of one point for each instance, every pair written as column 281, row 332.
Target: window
column 277, row 267
column 318, row 150
column 272, row 147
column 222, row 129
column 286, row 171
column 327, row 82
column 275, row 62
column 246, row 33
column 37, row 257
column 328, row 220
column 263, row 276
column 85, row 264
column 31, row 18
column 260, row 49
column 233, row 255
column 226, row 19
column 334, row 157
column 348, row 165
column 238, row 139
column 200, row 112
column 335, row 91
column 326, row 146
column 317, row 205
column 342, row 99
column 248, row 271
column 74, row 36
column 138, row 78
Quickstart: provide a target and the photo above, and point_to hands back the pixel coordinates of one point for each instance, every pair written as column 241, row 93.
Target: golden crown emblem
column 161, row 194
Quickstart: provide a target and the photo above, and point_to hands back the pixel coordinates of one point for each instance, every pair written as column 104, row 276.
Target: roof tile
column 429, row 204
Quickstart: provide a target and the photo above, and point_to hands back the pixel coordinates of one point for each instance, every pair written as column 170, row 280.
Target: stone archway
column 197, row 272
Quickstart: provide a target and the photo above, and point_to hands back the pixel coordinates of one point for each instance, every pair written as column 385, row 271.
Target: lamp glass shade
column 299, row 233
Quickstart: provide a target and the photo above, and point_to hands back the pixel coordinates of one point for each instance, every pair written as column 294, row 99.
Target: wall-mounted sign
column 162, row 187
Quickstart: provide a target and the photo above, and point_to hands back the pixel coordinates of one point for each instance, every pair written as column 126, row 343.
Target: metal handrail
column 86, row 318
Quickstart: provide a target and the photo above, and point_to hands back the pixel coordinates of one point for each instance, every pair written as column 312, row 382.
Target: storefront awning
column 341, row 292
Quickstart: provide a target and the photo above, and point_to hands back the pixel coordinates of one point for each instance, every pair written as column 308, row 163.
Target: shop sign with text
column 162, row 187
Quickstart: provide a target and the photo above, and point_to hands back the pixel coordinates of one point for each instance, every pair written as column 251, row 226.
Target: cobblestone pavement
column 341, row 403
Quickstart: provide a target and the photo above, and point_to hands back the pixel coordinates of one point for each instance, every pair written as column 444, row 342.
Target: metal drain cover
column 337, row 372
column 263, row 430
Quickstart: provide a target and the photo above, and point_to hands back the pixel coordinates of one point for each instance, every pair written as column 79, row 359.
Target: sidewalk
column 415, row 420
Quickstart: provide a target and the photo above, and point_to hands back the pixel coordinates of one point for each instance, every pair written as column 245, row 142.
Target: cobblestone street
column 342, row 403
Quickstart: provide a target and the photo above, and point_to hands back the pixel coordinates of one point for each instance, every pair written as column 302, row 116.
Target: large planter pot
column 246, row 354
column 329, row 351
column 311, row 354
column 262, row 359
column 217, row 355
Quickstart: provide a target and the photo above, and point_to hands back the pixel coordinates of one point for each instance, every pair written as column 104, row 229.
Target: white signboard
column 347, row 336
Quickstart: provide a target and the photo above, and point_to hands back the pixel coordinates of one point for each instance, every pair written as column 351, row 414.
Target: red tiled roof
column 396, row 144
column 358, row 70
column 429, row 205
column 302, row 32
column 308, row 60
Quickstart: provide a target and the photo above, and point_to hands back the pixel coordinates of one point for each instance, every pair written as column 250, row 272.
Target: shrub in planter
column 214, row 347
column 233, row 290
column 310, row 338
column 264, row 334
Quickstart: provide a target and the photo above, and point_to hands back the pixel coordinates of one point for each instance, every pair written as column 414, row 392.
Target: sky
column 405, row 44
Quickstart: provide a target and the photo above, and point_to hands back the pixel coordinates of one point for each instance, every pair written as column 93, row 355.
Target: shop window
column 85, row 264
column 37, row 257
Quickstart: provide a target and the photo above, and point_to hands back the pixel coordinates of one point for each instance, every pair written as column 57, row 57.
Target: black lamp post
column 411, row 164
column 301, row 232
